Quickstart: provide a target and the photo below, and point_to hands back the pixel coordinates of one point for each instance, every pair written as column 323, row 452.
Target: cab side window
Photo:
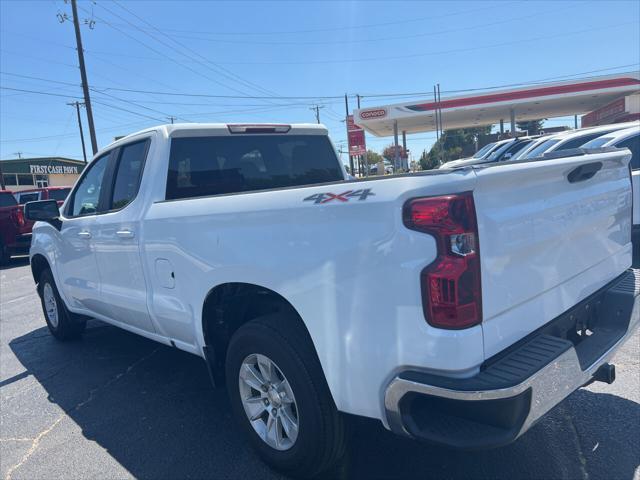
column 632, row 144
column 86, row 196
column 29, row 197
column 128, row 174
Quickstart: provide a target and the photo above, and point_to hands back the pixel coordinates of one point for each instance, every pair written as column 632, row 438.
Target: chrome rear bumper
column 526, row 381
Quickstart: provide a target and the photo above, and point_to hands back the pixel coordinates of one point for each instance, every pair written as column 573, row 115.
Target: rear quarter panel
column 350, row 269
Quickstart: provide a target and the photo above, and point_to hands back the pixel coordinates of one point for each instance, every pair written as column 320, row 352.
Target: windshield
column 516, row 148
column 521, row 151
column 484, row 150
column 7, row 200
column 508, row 148
column 597, row 142
column 60, row 194
column 543, row 147
column 499, row 151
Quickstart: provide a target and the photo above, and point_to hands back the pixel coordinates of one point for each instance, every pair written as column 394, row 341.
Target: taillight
column 451, row 289
column 18, row 216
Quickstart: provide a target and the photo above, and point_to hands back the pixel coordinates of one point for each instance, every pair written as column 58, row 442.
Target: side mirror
column 507, row 156
column 43, row 211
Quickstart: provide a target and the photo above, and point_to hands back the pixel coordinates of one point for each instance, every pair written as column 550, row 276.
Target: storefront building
column 28, row 173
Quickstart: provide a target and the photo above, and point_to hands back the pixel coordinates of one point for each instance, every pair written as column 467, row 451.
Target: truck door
column 116, row 241
column 80, row 278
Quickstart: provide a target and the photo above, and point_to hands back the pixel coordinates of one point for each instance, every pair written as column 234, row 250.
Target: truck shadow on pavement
column 153, row 410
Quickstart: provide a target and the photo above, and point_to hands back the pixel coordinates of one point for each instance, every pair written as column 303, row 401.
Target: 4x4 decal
column 341, row 197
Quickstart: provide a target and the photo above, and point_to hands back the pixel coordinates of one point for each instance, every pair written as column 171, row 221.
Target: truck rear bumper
column 518, row 386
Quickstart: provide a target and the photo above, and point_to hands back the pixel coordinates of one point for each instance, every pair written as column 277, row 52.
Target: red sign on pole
column 355, row 135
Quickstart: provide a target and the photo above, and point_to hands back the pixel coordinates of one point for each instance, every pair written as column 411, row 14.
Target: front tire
column 280, row 397
column 62, row 324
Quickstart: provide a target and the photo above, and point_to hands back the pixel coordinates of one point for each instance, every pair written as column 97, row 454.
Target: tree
column 453, row 144
column 373, row 157
column 428, row 162
column 532, row 126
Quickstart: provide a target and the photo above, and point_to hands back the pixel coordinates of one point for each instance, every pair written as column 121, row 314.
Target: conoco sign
column 377, row 113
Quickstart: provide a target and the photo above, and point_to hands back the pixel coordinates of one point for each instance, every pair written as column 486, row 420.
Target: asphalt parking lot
column 115, row 405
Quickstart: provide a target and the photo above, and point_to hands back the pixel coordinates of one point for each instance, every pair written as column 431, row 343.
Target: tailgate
column 551, row 233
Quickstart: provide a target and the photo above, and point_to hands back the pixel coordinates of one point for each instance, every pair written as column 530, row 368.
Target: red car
column 44, row 193
column 15, row 232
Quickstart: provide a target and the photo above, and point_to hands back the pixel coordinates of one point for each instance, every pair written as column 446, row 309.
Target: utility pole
column 317, row 110
column 440, row 110
column 19, row 154
column 171, row 118
column 83, row 75
column 435, row 113
column 346, row 120
column 365, row 156
column 77, row 105
column 440, row 119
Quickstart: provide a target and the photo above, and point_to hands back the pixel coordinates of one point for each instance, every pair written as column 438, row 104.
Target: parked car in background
column 574, row 139
column 477, row 157
column 58, row 194
column 15, row 232
column 627, row 138
column 497, row 152
column 505, row 152
column 522, row 152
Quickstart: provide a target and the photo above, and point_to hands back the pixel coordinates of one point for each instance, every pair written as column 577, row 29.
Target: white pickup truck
column 455, row 306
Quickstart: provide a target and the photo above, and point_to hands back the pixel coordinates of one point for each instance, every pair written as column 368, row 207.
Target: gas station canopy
column 532, row 102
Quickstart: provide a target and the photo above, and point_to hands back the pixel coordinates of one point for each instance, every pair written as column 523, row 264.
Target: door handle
column 584, row 172
column 84, row 234
column 125, row 234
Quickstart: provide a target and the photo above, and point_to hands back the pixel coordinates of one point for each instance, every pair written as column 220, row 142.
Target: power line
column 373, row 59
column 40, row 59
column 228, row 72
column 39, row 93
column 252, row 97
column 130, row 102
column 530, row 82
column 426, row 54
column 379, row 39
column 49, row 137
column 115, row 107
column 104, row 89
column 346, row 27
column 40, row 78
column 168, row 46
column 164, row 55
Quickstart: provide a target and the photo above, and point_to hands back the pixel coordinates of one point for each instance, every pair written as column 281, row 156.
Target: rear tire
column 319, row 441
column 4, row 254
column 62, row 324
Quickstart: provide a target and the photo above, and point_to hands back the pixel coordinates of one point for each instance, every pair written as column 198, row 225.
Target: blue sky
column 283, row 49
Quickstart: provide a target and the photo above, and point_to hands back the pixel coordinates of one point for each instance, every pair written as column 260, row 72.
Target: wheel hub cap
column 50, row 305
column 268, row 401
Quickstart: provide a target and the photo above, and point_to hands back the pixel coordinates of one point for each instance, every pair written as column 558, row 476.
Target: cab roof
column 186, row 129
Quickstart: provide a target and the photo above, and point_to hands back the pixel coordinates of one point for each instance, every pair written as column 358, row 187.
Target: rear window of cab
column 214, row 165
